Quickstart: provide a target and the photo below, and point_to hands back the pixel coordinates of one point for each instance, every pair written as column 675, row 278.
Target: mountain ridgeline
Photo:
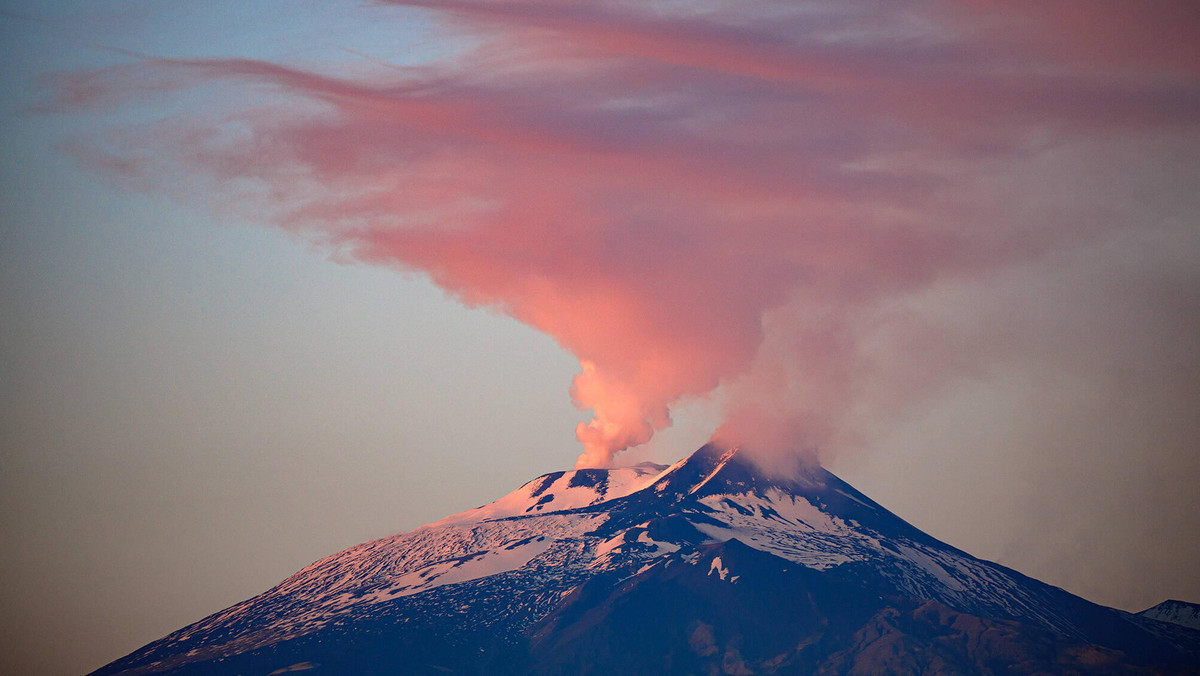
column 709, row 566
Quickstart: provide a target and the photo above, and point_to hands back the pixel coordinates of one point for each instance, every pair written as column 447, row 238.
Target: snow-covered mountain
column 1175, row 612
column 707, row 566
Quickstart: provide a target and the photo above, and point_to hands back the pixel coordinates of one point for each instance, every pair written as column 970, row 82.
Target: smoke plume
column 768, row 198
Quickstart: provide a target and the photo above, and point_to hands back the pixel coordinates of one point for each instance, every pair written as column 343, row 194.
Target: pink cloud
column 646, row 185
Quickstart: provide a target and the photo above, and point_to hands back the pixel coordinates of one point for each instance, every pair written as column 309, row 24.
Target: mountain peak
column 1176, row 612
column 711, row 469
column 559, row 491
column 716, row 469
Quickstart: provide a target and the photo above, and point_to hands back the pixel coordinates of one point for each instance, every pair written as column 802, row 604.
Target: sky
column 277, row 283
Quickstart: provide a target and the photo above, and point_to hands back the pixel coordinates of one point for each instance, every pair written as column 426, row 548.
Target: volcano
column 709, row 566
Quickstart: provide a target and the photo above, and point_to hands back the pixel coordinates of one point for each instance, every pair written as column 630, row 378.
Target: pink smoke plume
column 662, row 188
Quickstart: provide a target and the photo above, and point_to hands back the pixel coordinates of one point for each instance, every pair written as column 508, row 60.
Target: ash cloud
column 766, row 199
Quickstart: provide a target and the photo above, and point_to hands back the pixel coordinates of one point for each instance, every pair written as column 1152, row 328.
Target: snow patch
column 557, row 492
column 465, row 569
column 718, row 568
column 931, row 566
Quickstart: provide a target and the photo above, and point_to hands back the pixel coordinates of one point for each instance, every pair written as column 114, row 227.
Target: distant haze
column 951, row 248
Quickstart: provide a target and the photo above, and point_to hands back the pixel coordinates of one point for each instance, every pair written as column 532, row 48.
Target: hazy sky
column 953, row 245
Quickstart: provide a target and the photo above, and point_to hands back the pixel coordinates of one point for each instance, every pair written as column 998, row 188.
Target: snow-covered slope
column 1176, row 612
column 505, row 580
